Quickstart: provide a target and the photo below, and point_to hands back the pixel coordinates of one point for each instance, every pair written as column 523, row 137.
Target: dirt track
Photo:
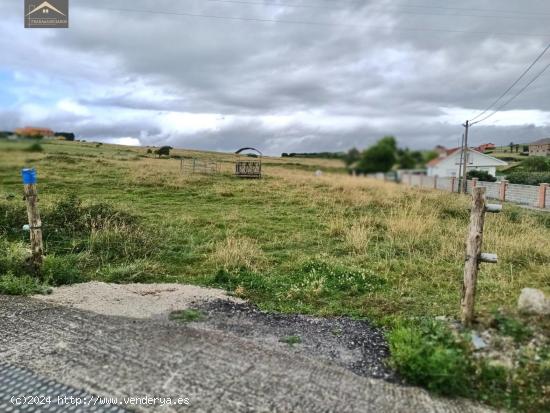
column 217, row 371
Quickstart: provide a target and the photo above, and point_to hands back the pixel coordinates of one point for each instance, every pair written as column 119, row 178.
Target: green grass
column 292, row 242
column 187, row 316
column 291, row 340
column 429, row 354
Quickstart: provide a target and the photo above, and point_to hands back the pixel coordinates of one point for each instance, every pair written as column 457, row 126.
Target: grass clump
column 35, row 147
column 511, row 327
column 291, row 340
column 20, row 285
column 187, row 316
column 235, row 253
column 62, row 270
column 427, row 353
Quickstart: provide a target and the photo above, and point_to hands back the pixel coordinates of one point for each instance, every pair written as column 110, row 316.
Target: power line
column 513, row 84
column 313, row 23
column 418, row 13
column 523, row 89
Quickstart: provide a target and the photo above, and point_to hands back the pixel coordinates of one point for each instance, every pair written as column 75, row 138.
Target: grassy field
column 292, row 242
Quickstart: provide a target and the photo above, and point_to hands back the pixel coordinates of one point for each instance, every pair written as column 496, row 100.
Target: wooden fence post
column 543, row 189
column 473, row 252
column 435, row 182
column 453, row 180
column 474, row 182
column 35, row 224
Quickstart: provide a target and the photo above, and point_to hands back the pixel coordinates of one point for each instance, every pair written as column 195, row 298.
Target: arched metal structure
column 247, row 167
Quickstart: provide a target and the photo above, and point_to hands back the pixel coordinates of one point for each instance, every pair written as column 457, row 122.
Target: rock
column 477, row 341
column 533, row 301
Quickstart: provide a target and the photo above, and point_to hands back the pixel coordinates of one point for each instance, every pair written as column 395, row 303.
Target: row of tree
column 384, row 155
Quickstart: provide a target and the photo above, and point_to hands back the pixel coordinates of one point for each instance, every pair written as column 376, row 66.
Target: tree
column 68, row 136
column 430, row 156
column 380, row 157
column 406, row 160
column 164, row 151
column 352, row 156
column 481, row 175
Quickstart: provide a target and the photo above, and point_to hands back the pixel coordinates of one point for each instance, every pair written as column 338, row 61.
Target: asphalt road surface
column 187, row 369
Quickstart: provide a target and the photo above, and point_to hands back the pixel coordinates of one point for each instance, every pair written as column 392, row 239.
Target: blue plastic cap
column 29, row 176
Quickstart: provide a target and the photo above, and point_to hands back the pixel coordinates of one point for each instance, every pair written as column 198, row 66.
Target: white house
column 447, row 166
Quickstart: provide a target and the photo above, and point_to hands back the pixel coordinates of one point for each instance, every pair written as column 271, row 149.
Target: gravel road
column 219, row 372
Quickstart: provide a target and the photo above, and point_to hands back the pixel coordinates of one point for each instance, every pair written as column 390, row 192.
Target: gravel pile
column 353, row 344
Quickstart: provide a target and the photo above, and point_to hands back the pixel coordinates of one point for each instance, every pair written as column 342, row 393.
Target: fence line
column 190, row 166
column 528, row 195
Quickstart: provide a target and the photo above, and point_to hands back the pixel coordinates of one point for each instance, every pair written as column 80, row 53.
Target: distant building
column 540, row 147
column 34, row 132
column 441, row 150
column 449, row 165
column 485, row 147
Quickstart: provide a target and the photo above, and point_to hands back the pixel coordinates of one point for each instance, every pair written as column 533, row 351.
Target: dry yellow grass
column 234, row 253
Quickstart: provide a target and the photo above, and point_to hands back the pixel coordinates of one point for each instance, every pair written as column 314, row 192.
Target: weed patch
column 20, row 285
column 187, row 316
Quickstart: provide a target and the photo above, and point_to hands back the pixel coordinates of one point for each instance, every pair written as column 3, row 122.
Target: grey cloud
column 366, row 65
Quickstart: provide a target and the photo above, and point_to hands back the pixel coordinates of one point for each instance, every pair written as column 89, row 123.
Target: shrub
column 536, row 164
column 23, row 285
column 427, row 354
column 69, row 217
column 529, row 178
column 164, row 151
column 62, row 270
column 35, row 147
column 511, row 327
column 482, row 176
column 12, row 218
column 13, row 257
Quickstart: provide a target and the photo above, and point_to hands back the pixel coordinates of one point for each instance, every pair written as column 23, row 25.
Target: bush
column 13, row 257
column 164, row 151
column 35, row 147
column 536, row 164
column 482, row 176
column 62, row 270
column 23, row 285
column 68, row 217
column 428, row 355
column 12, row 218
column 529, row 178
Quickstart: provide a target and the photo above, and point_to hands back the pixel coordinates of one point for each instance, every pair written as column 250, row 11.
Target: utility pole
column 465, row 158
column 461, row 164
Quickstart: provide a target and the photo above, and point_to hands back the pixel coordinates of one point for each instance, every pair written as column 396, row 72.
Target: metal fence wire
column 189, row 166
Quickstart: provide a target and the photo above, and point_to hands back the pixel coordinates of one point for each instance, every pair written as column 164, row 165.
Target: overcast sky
column 311, row 75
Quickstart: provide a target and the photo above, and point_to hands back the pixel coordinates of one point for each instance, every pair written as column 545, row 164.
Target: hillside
column 291, row 242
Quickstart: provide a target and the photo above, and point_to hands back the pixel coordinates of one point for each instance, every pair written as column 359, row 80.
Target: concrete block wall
column 415, row 180
column 492, row 190
column 444, row 184
column 520, row 194
column 523, row 194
